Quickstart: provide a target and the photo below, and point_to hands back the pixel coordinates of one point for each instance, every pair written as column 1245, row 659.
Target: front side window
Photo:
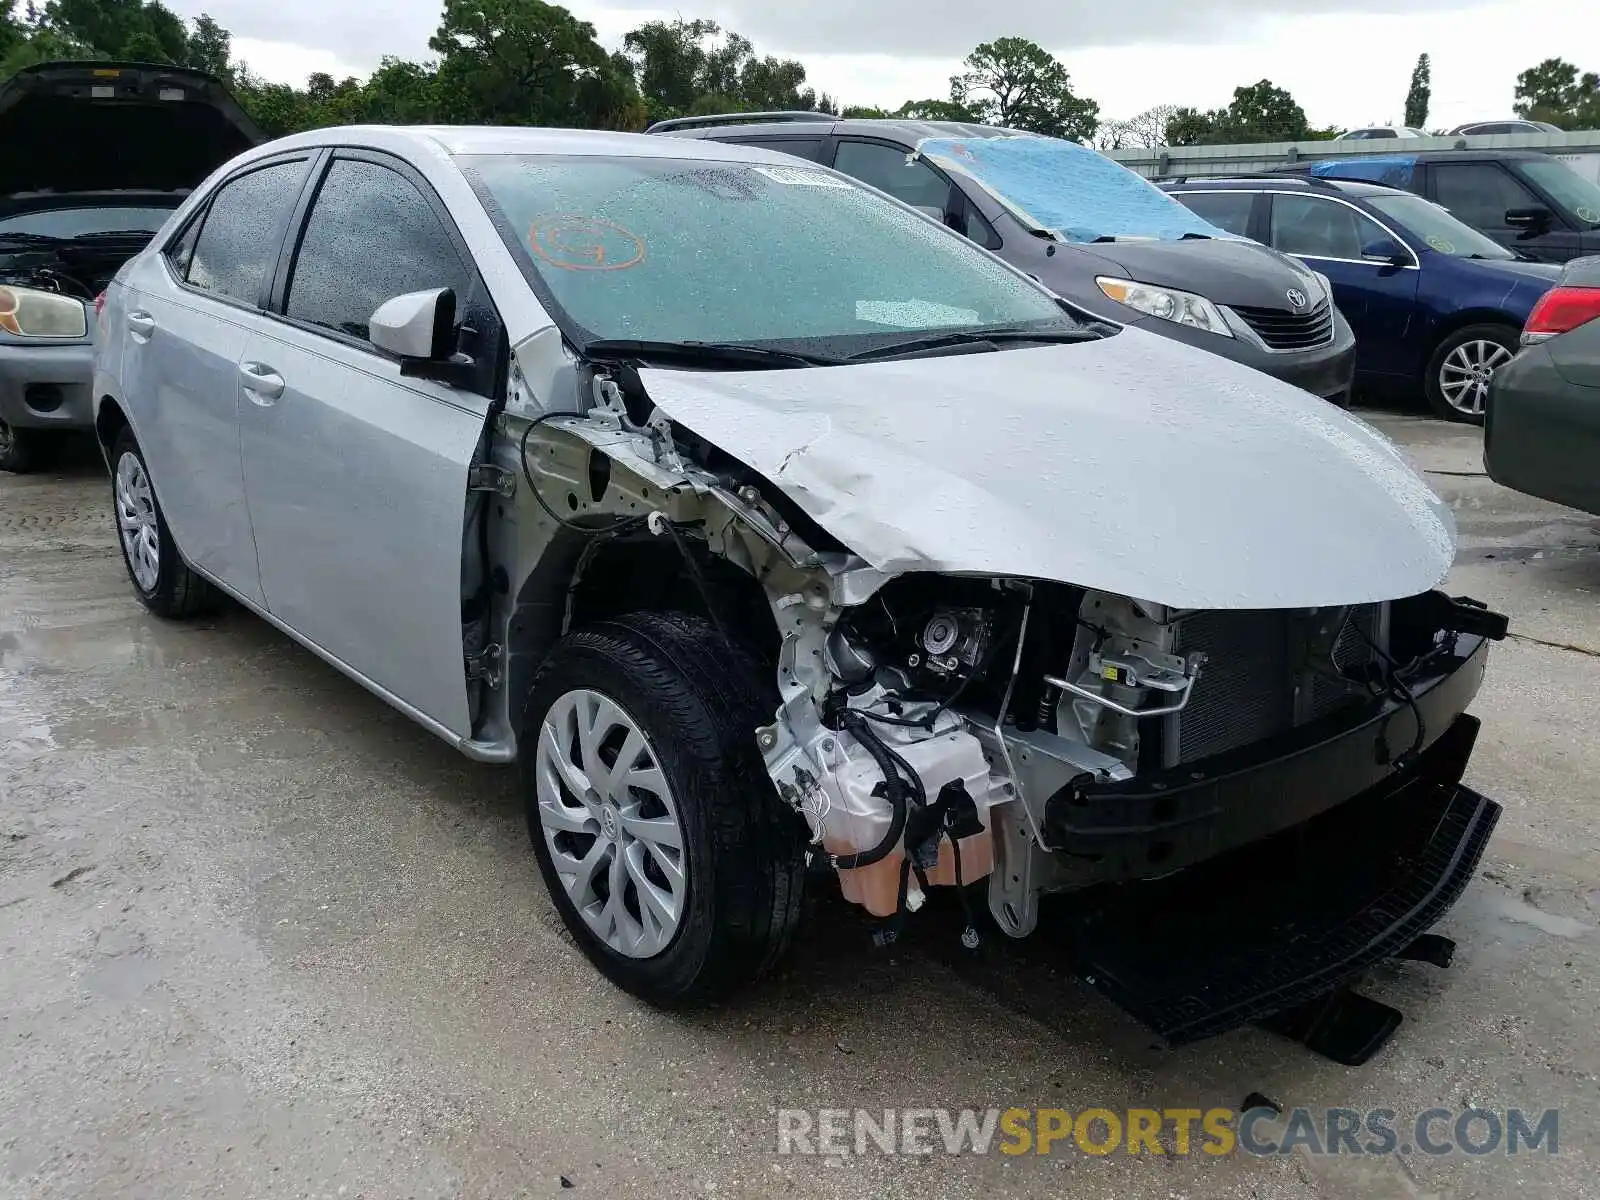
column 1432, row 225
column 1572, row 191
column 686, row 250
column 1317, row 228
column 243, row 231
column 1479, row 193
column 889, row 169
column 1225, row 210
column 371, row 236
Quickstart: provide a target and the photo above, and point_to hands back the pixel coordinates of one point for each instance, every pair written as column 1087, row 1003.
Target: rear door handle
column 261, row 382
column 141, row 324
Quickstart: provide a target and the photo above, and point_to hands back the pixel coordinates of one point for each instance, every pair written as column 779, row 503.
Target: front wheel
column 1461, row 368
column 658, row 832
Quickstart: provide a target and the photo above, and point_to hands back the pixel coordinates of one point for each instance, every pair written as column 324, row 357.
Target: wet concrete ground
column 259, row 936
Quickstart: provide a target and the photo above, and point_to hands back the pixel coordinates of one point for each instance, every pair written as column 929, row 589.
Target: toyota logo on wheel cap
column 1297, row 298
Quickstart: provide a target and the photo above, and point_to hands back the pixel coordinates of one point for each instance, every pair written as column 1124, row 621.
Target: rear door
column 1482, row 192
column 189, row 313
column 1377, row 298
column 357, row 475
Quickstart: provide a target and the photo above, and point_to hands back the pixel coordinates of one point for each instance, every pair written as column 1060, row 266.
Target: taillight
column 1559, row 310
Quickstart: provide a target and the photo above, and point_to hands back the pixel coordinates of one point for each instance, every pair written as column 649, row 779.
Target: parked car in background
column 1543, row 432
column 1529, row 202
column 94, row 156
column 1435, row 304
column 1091, row 230
column 762, row 519
column 1378, row 132
column 1516, row 125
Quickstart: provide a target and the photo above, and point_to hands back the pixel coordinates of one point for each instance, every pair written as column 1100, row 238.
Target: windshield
column 1435, row 227
column 1571, row 190
column 672, row 250
column 75, row 222
column 1062, row 186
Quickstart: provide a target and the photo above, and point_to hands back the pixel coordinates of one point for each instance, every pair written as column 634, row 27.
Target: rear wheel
column 19, row 449
column 1461, row 368
column 658, row 832
column 160, row 577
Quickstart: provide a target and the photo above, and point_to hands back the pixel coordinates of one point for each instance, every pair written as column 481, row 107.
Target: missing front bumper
column 1286, row 923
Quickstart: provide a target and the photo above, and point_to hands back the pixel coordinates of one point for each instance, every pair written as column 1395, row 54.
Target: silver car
column 767, row 525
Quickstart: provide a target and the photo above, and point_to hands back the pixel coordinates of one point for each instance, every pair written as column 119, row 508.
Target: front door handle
column 261, row 382
column 141, row 324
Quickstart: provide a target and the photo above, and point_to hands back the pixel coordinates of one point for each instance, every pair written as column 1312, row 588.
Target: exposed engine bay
column 1008, row 737
column 76, row 267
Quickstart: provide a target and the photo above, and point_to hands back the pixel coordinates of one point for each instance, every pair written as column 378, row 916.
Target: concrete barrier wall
column 1579, row 148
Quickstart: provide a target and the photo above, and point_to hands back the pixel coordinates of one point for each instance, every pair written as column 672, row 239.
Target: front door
column 357, row 475
column 1481, row 193
column 1379, row 299
column 190, row 311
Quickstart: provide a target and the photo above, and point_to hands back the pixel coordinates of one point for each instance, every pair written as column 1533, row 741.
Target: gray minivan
column 1092, row 231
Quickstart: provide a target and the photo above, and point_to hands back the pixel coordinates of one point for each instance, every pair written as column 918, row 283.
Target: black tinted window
column 181, row 252
column 1226, row 210
column 243, row 229
column 887, row 169
column 372, row 236
column 800, row 147
column 1479, row 193
column 1318, row 228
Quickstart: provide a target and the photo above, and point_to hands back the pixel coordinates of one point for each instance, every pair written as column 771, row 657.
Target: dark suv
column 1094, row 232
column 1435, row 304
column 1529, row 202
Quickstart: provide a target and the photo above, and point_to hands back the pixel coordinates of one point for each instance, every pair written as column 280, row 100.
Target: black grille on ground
column 1282, row 329
column 1246, row 690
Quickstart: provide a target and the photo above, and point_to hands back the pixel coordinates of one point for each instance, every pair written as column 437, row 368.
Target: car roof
column 1276, row 182
column 514, row 139
column 906, row 133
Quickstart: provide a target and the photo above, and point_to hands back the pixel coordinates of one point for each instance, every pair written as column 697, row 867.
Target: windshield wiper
column 973, row 337
column 728, row 354
column 114, row 235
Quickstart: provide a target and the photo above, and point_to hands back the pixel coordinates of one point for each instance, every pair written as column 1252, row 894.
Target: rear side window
column 1226, row 210
column 243, row 231
column 810, row 148
column 372, row 236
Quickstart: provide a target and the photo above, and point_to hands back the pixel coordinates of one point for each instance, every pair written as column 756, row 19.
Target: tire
column 1457, row 382
column 696, row 703
column 19, row 449
column 171, row 589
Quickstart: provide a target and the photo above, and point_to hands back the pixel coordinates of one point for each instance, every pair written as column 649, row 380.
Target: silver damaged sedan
column 780, row 535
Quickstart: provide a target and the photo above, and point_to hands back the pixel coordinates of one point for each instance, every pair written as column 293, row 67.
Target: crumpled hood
column 1133, row 465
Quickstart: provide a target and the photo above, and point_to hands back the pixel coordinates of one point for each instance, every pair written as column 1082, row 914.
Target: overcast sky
column 1348, row 62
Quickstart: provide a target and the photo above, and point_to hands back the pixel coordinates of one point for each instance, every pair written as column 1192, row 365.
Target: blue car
column 1434, row 303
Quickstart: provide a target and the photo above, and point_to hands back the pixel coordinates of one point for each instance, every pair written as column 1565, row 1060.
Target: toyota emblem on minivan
column 1297, row 298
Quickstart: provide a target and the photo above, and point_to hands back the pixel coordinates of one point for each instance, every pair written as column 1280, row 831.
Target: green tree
column 1261, row 112
column 937, row 110
column 210, row 48
column 1017, row 83
column 525, row 62
column 691, row 67
column 1554, row 91
column 1420, row 94
column 140, row 30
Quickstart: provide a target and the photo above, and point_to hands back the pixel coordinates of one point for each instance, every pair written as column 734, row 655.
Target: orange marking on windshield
column 577, row 243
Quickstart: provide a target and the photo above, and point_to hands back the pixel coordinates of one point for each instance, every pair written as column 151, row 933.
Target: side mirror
column 1534, row 219
column 1387, row 251
column 418, row 326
